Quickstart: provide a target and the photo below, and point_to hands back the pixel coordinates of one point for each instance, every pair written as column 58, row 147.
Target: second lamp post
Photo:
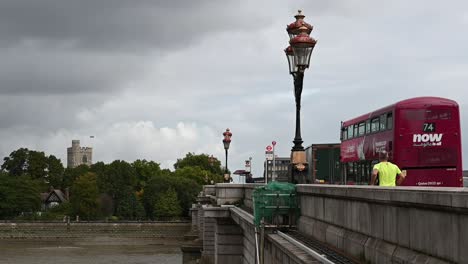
column 298, row 54
column 227, row 141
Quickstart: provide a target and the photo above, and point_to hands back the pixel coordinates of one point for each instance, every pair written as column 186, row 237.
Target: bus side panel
column 367, row 147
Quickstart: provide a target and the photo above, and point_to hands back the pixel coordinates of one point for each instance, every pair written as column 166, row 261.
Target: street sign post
column 273, row 175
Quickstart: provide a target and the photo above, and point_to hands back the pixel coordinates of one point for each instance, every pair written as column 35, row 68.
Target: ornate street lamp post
column 227, row 141
column 298, row 54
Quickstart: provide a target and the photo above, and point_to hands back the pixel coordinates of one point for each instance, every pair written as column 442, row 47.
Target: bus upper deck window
column 361, row 128
column 375, row 125
column 350, row 132
column 389, row 120
column 383, row 122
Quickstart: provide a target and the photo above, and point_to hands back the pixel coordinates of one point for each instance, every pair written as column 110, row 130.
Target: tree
column 130, row 207
column 16, row 163
column 186, row 189
column 36, row 164
column 167, row 204
column 85, row 196
column 99, row 168
column 18, row 195
column 156, row 185
column 199, row 175
column 71, row 174
column 117, row 179
column 203, row 161
column 144, row 171
column 55, row 172
column 107, row 204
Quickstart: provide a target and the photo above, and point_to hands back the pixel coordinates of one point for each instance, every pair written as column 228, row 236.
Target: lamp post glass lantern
column 298, row 54
column 211, row 160
column 226, row 142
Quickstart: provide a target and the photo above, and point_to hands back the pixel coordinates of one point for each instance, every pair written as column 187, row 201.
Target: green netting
column 274, row 201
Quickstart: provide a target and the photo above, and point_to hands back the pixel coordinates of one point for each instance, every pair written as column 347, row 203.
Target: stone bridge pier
column 368, row 224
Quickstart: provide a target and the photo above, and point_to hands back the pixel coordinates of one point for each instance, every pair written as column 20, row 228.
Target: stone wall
column 381, row 225
column 43, row 230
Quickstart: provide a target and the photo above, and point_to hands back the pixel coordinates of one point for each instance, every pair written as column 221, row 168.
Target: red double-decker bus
column 422, row 136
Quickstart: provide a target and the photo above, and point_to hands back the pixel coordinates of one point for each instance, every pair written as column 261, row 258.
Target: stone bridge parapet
column 388, row 225
column 371, row 224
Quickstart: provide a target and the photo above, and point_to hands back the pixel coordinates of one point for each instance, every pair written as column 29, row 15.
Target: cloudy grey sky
column 157, row 79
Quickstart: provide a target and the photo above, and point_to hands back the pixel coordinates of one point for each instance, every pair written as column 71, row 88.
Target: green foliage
column 71, row 174
column 202, row 161
column 144, row 171
column 129, row 207
column 16, row 163
column 56, row 170
column 155, row 186
column 121, row 189
column 36, row 164
column 107, row 204
column 186, row 189
column 116, row 180
column 56, row 213
column 98, row 168
column 84, row 198
column 167, row 204
column 199, row 175
column 18, row 195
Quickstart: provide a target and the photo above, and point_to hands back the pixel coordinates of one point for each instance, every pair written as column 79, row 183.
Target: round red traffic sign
column 269, row 148
column 274, row 143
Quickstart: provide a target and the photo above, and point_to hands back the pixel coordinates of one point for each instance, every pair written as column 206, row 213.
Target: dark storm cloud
column 39, row 70
column 42, row 114
column 156, row 79
column 120, row 24
column 75, row 47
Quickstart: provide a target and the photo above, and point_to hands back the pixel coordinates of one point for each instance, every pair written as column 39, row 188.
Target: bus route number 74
column 429, row 127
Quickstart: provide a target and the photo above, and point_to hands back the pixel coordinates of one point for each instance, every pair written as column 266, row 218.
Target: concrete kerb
column 294, row 254
column 378, row 251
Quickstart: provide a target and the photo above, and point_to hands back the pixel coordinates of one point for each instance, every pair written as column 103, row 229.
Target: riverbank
column 75, row 230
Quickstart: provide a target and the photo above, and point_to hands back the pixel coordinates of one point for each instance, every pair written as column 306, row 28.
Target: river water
column 97, row 250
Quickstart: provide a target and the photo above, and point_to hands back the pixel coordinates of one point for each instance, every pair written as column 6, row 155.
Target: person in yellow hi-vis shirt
column 387, row 172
